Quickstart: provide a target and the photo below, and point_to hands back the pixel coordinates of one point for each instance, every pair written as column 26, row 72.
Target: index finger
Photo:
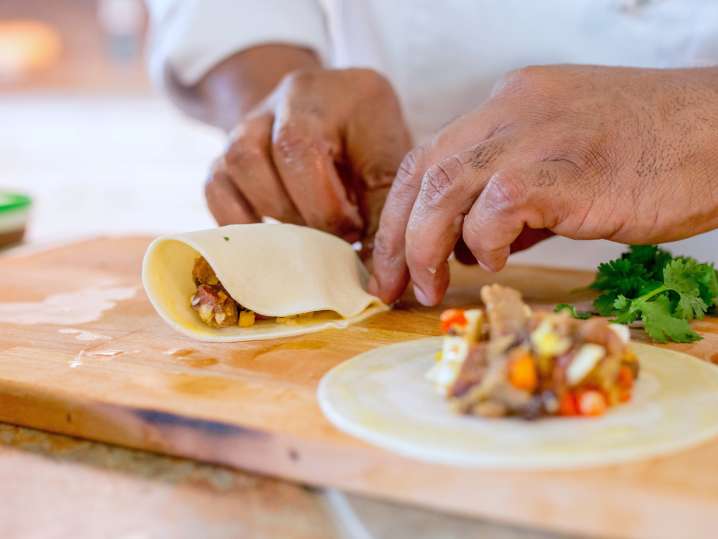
column 448, row 190
column 391, row 275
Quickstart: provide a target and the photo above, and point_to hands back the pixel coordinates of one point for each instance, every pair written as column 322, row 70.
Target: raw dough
column 272, row 269
column 382, row 397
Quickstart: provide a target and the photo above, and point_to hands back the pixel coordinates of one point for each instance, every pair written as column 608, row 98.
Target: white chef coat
column 443, row 57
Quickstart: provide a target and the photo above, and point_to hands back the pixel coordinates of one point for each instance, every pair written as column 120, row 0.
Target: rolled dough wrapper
column 275, row 270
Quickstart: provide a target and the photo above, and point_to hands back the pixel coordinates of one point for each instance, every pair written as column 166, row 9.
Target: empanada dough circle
column 272, row 269
column 382, row 397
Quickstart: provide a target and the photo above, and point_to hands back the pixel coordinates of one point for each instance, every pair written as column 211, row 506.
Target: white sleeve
column 192, row 36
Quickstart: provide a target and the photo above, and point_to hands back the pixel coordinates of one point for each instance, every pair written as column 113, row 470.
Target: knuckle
column 410, row 165
column 408, row 178
column 241, row 153
column 519, row 80
column 439, row 180
column 376, row 173
column 504, row 191
column 300, row 78
column 435, row 183
column 373, row 79
column 371, row 75
column 289, row 142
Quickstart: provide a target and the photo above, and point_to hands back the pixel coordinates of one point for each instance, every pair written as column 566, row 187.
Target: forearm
column 232, row 88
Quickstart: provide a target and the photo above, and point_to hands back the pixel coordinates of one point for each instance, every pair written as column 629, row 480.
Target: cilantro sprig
column 581, row 315
column 647, row 284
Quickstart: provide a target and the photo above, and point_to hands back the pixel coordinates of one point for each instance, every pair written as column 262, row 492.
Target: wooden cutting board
column 252, row 405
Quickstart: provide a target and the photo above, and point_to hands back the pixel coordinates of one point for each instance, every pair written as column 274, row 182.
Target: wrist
column 232, row 88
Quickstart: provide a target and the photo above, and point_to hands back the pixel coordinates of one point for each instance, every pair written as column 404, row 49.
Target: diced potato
column 583, row 362
column 622, row 331
column 246, row 319
column 474, row 324
column 443, row 375
column 454, row 349
column 446, row 369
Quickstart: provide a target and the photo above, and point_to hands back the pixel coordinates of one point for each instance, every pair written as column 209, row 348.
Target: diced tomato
column 452, row 318
column 568, row 405
column 522, row 372
column 625, row 378
column 592, row 402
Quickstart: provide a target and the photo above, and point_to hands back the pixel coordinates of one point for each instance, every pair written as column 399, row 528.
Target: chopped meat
column 472, row 370
column 214, row 306
column 598, row 331
column 202, row 272
column 532, row 364
column 506, row 312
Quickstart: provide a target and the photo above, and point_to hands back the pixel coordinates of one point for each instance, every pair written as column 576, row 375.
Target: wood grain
column 252, row 405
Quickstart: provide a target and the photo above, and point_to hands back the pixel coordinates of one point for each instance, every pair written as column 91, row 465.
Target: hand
column 321, row 150
column 585, row 152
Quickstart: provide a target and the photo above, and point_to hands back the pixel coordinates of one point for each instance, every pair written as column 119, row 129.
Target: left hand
column 585, row 152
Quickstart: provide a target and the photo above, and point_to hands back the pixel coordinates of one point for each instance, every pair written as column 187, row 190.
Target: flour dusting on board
column 102, row 354
column 79, row 307
column 77, row 360
column 82, row 335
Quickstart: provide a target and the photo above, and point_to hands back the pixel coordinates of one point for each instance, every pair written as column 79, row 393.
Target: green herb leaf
column 635, row 273
column 604, row 303
column 626, row 311
column 622, row 276
column 662, row 326
column 646, row 283
column 226, row 238
column 702, row 275
column 652, row 258
column 680, row 277
column 581, row 315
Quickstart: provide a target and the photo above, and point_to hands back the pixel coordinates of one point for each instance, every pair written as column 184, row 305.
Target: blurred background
column 83, row 132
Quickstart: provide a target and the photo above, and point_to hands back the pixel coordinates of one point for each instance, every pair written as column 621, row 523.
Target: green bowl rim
column 15, row 201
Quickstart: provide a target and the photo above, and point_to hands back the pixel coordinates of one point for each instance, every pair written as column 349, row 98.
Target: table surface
column 58, row 486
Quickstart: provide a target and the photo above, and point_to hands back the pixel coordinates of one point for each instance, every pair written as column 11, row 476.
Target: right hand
column 321, row 150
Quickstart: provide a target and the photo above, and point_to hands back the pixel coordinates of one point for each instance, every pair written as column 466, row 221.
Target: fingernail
column 421, row 297
column 484, row 266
